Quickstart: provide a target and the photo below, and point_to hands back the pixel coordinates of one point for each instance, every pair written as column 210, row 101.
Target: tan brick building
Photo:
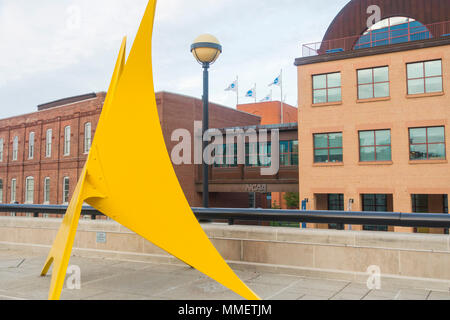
column 374, row 112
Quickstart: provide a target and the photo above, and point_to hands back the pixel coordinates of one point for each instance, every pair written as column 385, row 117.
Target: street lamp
column 206, row 49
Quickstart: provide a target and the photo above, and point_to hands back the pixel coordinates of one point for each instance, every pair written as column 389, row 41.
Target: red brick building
column 43, row 153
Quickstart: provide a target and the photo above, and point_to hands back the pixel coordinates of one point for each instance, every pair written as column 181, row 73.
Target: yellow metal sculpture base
column 128, row 175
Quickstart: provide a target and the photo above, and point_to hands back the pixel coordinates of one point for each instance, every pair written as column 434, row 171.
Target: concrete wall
column 422, row 258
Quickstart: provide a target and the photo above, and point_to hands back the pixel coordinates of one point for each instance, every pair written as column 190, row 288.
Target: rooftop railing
column 425, row 220
column 406, row 32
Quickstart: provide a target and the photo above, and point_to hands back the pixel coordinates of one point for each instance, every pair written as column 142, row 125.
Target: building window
column 15, row 150
column 47, row 190
column 48, row 143
column 66, row 190
column 31, row 146
column 375, row 145
column 373, row 83
column 87, row 137
column 327, row 88
column 425, row 77
column 336, row 203
column 445, row 203
column 288, row 153
column 13, row 190
column 328, row 148
column 67, row 141
column 29, row 190
column 427, row 143
column 1, row 191
column 375, row 203
column 1, row 149
column 420, row 203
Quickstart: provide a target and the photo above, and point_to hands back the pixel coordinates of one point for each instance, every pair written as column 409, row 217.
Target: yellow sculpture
column 129, row 176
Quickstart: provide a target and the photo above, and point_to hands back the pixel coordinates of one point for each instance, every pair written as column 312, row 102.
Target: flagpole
column 282, row 107
column 237, row 91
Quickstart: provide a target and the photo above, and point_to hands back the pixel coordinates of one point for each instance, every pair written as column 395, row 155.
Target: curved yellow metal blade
column 129, row 175
column 59, row 255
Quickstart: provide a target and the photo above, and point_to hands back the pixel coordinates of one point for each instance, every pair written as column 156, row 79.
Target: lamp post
column 206, row 49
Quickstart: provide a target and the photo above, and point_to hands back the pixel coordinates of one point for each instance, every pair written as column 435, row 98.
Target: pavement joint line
column 366, row 294
column 339, row 291
column 284, row 289
column 397, row 295
column 428, row 295
column 20, row 263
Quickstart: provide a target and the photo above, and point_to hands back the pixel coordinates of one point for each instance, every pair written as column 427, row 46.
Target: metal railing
column 428, row 220
column 375, row 39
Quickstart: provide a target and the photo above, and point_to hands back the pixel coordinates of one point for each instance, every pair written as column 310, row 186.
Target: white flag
column 251, row 93
column 267, row 98
column 276, row 82
column 232, row 87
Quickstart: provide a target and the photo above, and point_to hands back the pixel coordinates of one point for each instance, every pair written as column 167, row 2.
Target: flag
column 251, row 93
column 267, row 98
column 276, row 82
column 232, row 87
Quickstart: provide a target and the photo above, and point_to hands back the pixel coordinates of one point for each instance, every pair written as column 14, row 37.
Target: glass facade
column 328, row 148
column 373, row 83
column 425, row 77
column 327, row 88
column 375, row 145
column 393, row 30
column 427, row 143
column 259, row 154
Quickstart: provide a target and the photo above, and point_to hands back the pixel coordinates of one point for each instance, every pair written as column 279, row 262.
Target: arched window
column 13, row 190
column 1, row 149
column 66, row 190
column 47, row 190
column 31, row 146
column 29, row 190
column 87, row 137
column 48, row 143
column 393, row 30
column 67, row 141
column 15, row 148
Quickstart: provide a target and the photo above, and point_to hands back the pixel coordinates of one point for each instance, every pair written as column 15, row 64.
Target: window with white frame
column 67, row 141
column 47, row 190
column 87, row 137
column 1, row 149
column 29, row 190
column 48, row 143
column 31, row 146
column 66, row 190
column 13, row 190
column 15, row 150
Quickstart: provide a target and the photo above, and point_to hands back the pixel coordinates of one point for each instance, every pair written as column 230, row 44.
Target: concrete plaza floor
column 103, row 279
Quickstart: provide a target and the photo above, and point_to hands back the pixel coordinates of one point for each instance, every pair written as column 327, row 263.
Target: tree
column 292, row 200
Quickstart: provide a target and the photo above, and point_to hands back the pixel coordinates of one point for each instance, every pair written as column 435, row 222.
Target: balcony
column 407, row 32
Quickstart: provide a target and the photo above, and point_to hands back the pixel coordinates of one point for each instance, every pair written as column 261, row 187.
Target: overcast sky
column 52, row 49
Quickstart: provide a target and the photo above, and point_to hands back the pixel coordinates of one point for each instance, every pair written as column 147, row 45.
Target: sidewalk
column 103, row 279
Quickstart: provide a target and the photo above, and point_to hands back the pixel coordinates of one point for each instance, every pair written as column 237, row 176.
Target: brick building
column 43, row 153
column 375, row 111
